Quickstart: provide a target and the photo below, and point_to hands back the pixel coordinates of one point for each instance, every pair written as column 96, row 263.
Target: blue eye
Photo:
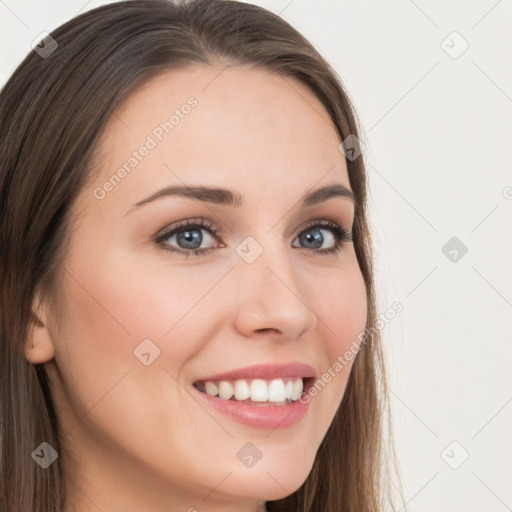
column 189, row 238
column 188, row 234
column 313, row 236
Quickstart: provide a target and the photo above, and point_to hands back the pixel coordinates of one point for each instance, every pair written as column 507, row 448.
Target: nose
column 270, row 299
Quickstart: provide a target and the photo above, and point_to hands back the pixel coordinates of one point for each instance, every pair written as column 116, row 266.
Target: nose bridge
column 270, row 295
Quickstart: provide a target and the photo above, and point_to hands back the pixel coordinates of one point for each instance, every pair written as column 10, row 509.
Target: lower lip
column 265, row 416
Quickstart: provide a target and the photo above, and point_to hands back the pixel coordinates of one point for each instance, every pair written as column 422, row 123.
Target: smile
column 259, row 392
column 268, row 404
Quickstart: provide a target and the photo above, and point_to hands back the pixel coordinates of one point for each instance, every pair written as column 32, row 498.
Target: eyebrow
column 225, row 197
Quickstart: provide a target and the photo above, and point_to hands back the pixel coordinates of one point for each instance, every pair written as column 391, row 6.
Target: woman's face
column 139, row 322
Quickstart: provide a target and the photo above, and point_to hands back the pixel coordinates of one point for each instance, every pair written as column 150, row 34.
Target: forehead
column 242, row 126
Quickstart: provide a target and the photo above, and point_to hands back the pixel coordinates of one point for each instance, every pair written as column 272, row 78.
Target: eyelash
column 340, row 234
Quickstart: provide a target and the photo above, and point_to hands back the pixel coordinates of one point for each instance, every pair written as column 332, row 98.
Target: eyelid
column 202, row 222
column 323, row 220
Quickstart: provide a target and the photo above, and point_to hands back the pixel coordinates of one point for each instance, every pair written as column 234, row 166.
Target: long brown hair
column 53, row 110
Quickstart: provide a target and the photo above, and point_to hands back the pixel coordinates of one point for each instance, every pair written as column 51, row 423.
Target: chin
column 267, row 482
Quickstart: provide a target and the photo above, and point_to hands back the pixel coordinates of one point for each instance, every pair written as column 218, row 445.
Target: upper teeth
column 258, row 390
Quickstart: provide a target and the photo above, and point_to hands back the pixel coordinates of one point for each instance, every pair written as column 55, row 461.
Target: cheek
column 106, row 310
column 342, row 308
column 342, row 313
column 112, row 304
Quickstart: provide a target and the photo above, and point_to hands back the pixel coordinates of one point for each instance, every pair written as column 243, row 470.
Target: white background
column 438, row 135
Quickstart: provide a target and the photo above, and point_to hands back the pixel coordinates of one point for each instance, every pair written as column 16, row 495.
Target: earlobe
column 39, row 346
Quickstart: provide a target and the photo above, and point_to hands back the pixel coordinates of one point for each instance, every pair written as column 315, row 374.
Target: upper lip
column 264, row 371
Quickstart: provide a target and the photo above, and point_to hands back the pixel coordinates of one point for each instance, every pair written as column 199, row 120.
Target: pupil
column 193, row 237
column 316, row 239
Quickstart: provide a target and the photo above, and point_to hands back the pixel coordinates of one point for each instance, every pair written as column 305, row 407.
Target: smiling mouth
column 259, row 392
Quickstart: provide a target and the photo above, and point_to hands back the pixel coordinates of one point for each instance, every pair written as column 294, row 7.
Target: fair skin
column 135, row 439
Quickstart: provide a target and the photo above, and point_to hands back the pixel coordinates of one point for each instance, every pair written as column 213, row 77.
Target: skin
column 134, row 438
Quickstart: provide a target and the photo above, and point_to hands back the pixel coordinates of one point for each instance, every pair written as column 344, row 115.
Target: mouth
column 261, row 396
column 270, row 405
column 257, row 392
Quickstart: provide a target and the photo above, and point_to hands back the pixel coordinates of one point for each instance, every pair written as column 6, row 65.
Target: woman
column 185, row 270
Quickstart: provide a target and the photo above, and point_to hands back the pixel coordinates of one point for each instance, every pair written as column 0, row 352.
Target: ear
column 39, row 346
